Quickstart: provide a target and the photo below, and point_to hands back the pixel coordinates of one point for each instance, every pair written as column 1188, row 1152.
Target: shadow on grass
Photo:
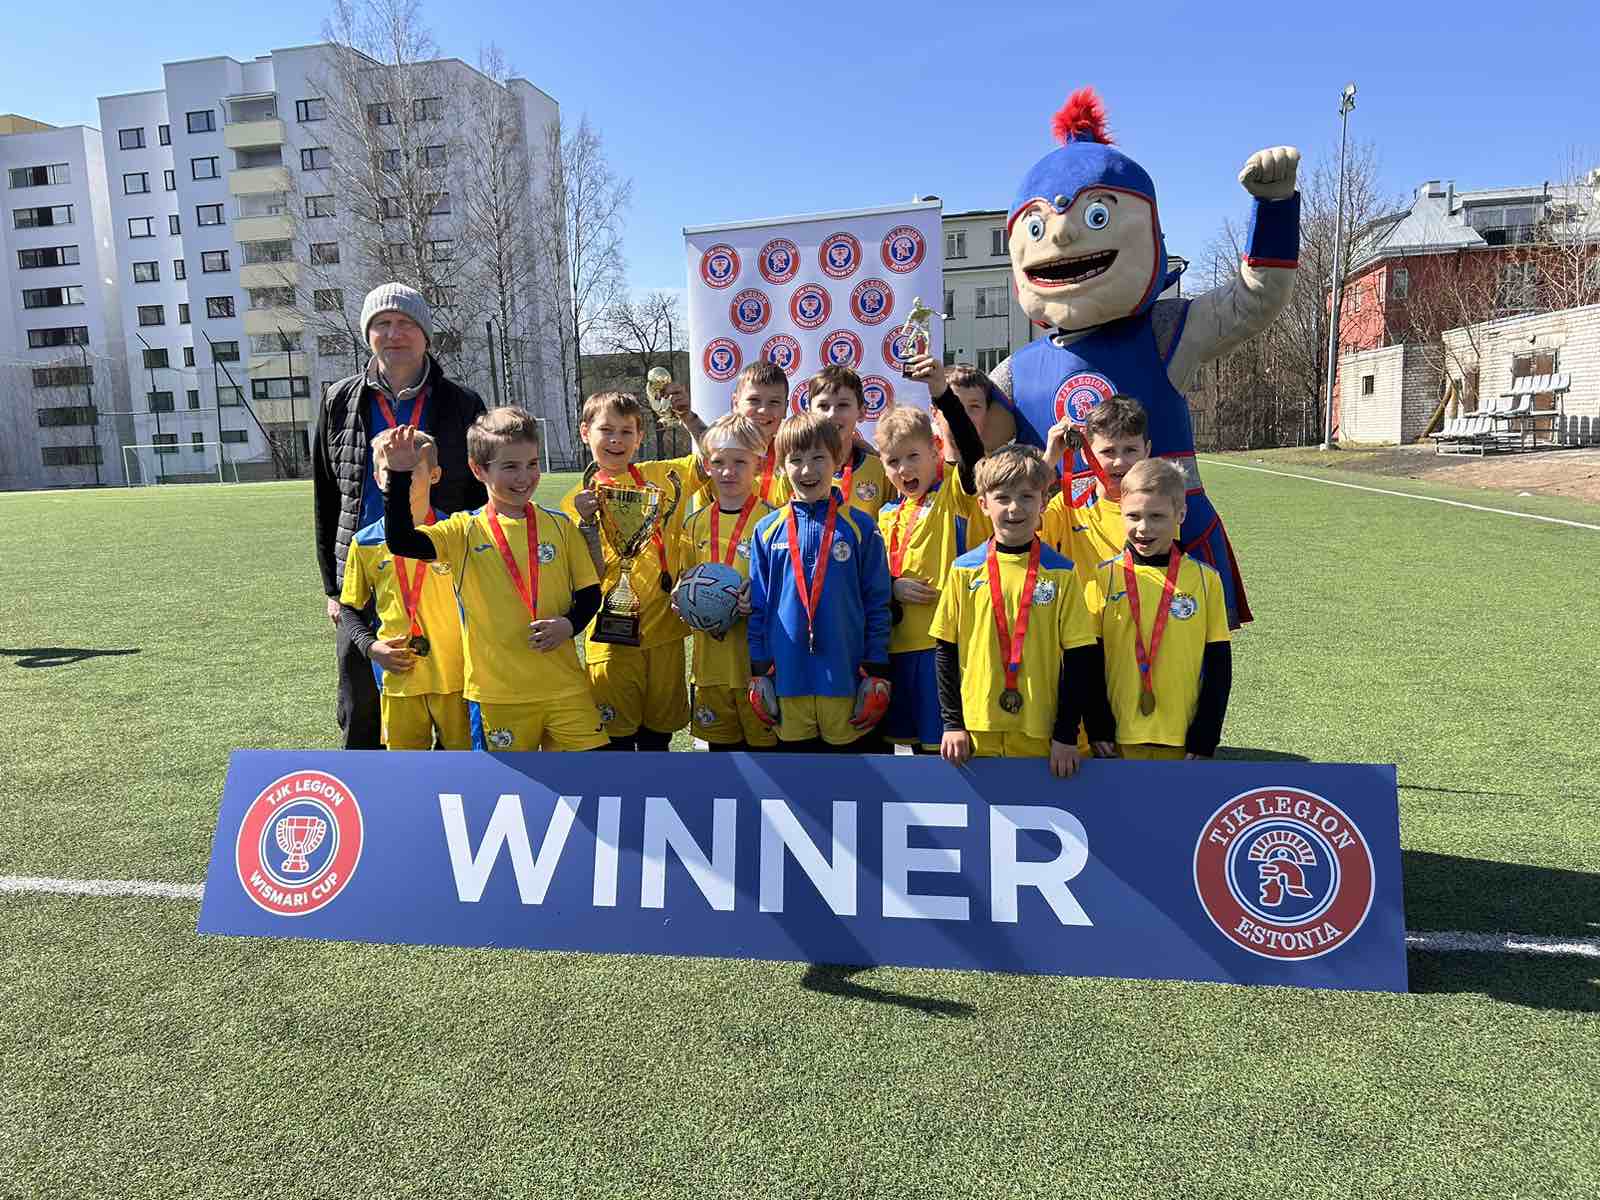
column 839, row 981
column 60, row 656
column 1444, row 891
column 1253, row 754
column 1559, row 984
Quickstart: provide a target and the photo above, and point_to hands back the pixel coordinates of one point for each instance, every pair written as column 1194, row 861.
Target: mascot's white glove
column 1270, row 174
column 764, row 700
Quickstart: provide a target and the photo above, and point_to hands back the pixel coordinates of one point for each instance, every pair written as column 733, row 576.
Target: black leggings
column 644, row 739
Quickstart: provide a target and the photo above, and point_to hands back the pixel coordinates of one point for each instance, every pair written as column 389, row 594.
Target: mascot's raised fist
column 1270, row 174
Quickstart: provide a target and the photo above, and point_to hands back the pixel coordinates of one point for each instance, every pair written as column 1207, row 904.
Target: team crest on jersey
column 299, row 843
column 779, row 260
column 743, row 549
column 842, row 348
column 721, row 359
column 1284, row 873
column 841, row 552
column 872, row 301
column 1183, row 606
column 903, row 249
column 839, row 255
column 439, row 568
column 498, row 739
column 607, row 714
column 704, row 716
column 800, row 398
column 1044, row 592
column 1081, row 394
column 877, row 394
column 867, row 490
column 810, row 306
column 547, row 552
column 750, row 311
column 719, row 266
column 783, row 350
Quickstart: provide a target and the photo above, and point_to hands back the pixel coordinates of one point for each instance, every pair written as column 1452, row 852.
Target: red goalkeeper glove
column 872, row 701
column 764, row 700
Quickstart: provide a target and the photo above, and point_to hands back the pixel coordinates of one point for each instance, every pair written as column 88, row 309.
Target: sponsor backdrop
column 808, row 291
column 1268, row 873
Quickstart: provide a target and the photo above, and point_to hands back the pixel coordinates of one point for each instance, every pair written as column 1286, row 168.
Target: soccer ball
column 708, row 597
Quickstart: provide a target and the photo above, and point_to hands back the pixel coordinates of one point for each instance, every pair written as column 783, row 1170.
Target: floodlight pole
column 1347, row 101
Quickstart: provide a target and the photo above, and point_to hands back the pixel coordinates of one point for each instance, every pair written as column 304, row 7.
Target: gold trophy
column 655, row 383
column 628, row 517
column 916, row 335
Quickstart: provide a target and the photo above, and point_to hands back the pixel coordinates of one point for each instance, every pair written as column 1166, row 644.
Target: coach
column 402, row 384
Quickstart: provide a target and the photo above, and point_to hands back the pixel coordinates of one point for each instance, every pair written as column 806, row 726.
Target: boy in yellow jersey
column 1017, row 657
column 642, row 690
column 761, row 395
column 933, row 521
column 719, row 531
column 977, row 395
column 835, row 393
column 525, row 583
column 1116, row 436
column 1164, row 626
column 417, row 644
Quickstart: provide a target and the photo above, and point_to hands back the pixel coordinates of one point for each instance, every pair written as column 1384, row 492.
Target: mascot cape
column 1089, row 263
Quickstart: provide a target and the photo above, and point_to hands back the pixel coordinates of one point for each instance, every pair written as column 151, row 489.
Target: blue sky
column 718, row 114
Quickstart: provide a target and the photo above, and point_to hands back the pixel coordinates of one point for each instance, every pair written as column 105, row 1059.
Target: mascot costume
column 1089, row 261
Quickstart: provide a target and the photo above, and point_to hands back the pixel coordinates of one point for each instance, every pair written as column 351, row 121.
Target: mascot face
column 1086, row 260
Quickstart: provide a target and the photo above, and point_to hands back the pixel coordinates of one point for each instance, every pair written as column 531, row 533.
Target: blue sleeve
column 877, row 587
column 1274, row 237
column 756, row 624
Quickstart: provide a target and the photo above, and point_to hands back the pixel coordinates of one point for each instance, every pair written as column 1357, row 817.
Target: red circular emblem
column 872, row 301
column 839, row 255
column 299, row 843
column 779, row 260
column 841, row 348
column 750, row 311
column 810, row 306
column 782, row 349
column 903, row 249
column 1284, row 873
column 721, row 359
column 1081, row 394
column 896, row 343
column 877, row 394
column 800, row 398
column 719, row 266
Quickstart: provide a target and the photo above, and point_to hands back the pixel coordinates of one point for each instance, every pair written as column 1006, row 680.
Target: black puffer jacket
column 339, row 461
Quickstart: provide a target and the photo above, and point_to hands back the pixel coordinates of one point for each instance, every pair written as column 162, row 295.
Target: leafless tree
column 650, row 332
column 1569, row 236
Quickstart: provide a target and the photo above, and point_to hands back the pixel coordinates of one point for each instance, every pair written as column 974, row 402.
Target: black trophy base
column 616, row 629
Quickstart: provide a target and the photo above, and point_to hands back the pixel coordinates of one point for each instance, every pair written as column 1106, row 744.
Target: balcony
column 269, row 274
column 248, row 134
column 258, row 179
column 271, row 320
column 276, row 366
column 278, row 412
column 262, row 229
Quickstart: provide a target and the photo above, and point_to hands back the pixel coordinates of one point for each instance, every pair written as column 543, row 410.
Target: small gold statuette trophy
column 916, row 335
column 655, row 383
column 629, row 516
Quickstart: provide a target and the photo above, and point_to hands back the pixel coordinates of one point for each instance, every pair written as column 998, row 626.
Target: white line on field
column 1439, row 940
column 1503, row 512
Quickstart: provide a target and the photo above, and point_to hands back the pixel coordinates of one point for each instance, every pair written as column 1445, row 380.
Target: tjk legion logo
column 299, row 843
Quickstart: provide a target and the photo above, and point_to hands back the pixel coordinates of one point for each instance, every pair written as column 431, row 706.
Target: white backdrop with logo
column 812, row 290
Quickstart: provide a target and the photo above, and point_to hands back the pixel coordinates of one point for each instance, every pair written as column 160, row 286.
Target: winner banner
column 1257, row 873
column 805, row 292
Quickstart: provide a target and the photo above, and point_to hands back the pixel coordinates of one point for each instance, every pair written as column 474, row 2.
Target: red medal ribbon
column 811, row 597
column 1147, row 658
column 738, row 528
column 417, row 404
column 897, row 548
column 766, row 474
column 1011, row 643
column 411, row 590
column 655, row 534
column 529, row 591
column 849, row 474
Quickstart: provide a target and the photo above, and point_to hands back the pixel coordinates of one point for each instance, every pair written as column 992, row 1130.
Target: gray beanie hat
column 397, row 297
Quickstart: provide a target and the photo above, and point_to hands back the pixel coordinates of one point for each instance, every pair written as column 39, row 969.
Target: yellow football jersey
column 1058, row 622
column 721, row 662
column 869, row 484
column 1090, row 536
column 500, row 665
column 658, row 623
column 926, row 537
column 1198, row 614
column 370, row 572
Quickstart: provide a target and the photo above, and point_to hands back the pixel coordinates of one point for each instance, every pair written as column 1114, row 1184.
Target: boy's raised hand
column 908, row 589
column 1057, row 441
column 394, row 654
column 925, row 368
column 955, row 747
column 586, row 504
column 402, row 451
column 1063, row 759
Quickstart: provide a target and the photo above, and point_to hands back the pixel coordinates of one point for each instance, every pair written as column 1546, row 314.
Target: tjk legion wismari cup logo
column 1284, row 873
column 299, row 843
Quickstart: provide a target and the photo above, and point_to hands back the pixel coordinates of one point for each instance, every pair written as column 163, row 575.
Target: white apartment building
column 63, row 377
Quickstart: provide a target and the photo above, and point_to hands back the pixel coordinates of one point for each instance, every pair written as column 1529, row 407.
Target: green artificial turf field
column 141, row 1060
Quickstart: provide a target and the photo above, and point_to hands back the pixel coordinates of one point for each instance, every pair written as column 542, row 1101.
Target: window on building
column 949, row 303
column 201, row 122
column 440, row 295
column 203, row 168
column 219, row 307
column 197, row 439
column 136, row 183
column 183, row 314
column 380, row 114
column 1368, row 384
column 435, row 156
column 389, row 207
column 439, row 204
column 147, row 272
column 164, row 134
column 38, row 218
column 235, row 436
column 988, row 360
column 130, row 139
column 324, row 254
column 394, row 253
column 278, row 251
column 60, row 377
column 52, row 297
column 997, row 241
column 160, row 402
column 310, row 110
column 47, row 256
column 319, row 206
column 275, row 343
column 1353, row 297
column 224, row 352
column 229, row 396
column 75, row 414
column 333, row 345
column 155, row 357
column 955, row 244
column 315, row 158
column 71, row 456
column 25, row 177
column 213, row 261
column 428, row 108
column 991, row 302
column 192, row 395
column 208, row 214
column 280, row 389
column 164, row 443
column 174, row 226
column 152, row 314
column 188, row 356
column 1399, row 283
column 1518, row 282
column 446, row 341
column 141, row 227
column 271, row 297
column 169, row 180
column 441, row 250
column 66, row 335
column 328, row 299
column 388, row 160
column 180, row 269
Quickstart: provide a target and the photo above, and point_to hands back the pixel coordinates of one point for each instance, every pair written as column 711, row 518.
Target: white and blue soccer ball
column 708, row 597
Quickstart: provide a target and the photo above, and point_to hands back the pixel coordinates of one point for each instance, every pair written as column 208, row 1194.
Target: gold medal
column 532, row 643
column 418, row 645
column 1011, row 700
column 1147, row 702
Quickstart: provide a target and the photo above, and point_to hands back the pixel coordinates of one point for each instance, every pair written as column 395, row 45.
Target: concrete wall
column 1375, row 416
column 1573, row 333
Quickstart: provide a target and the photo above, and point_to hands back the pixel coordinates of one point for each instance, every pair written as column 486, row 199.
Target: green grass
column 142, row 1060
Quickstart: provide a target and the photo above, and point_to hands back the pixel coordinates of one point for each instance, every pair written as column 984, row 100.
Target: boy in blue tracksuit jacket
column 819, row 651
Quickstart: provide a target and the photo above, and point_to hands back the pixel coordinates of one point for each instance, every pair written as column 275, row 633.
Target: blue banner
column 1269, row 873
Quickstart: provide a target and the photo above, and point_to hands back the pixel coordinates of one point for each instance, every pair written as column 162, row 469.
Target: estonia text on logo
column 299, row 843
column 841, row 348
column 898, row 349
column 1081, row 394
column 839, row 255
column 810, row 306
column 783, row 350
column 903, row 249
column 719, row 266
column 800, row 399
column 872, row 301
column 750, row 311
column 721, row 359
column 779, row 260
column 877, row 394
column 1284, row 873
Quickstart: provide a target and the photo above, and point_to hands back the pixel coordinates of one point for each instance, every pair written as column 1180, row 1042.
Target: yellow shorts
column 723, row 717
column 571, row 724
column 409, row 722
column 1009, row 745
column 1149, row 750
column 802, row 718
column 641, row 687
